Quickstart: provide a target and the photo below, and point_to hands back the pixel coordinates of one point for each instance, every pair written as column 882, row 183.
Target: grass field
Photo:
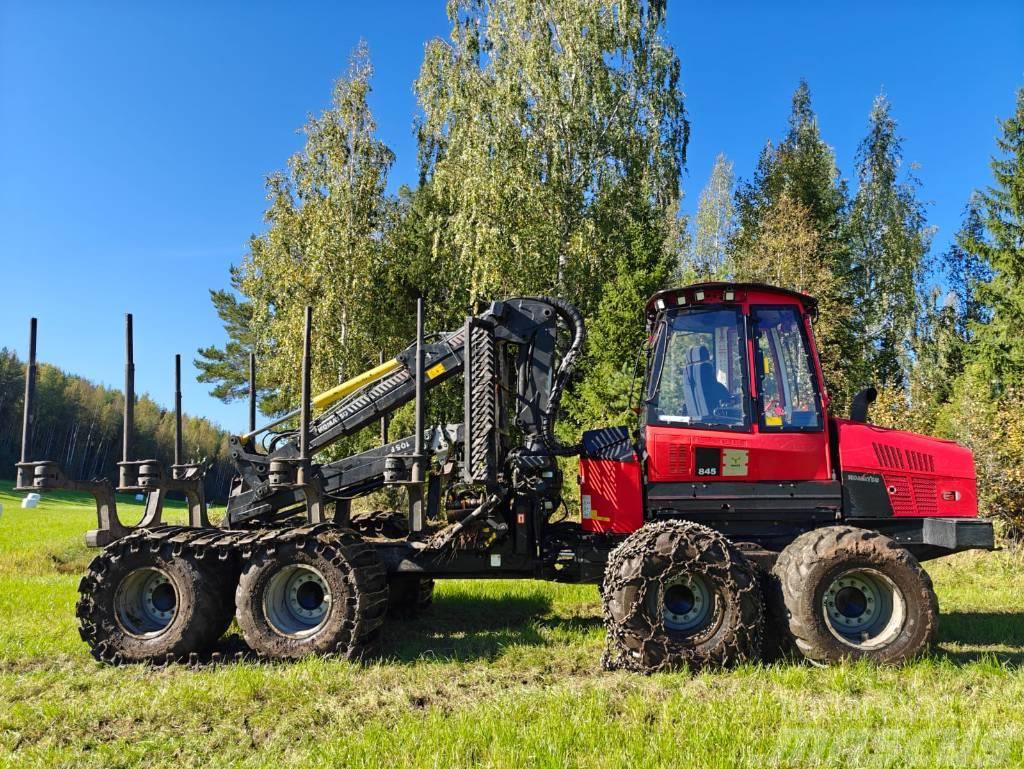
column 499, row 674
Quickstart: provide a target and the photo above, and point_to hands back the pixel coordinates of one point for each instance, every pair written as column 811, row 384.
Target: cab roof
column 714, row 293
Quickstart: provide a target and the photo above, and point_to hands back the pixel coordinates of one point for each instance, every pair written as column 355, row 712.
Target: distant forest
column 79, row 424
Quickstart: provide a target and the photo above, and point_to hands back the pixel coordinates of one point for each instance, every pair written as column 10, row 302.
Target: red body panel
column 769, row 456
column 611, row 494
column 923, row 476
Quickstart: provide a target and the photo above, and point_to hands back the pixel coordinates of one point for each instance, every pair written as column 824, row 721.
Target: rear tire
column 144, row 600
column 851, row 593
column 305, row 593
column 678, row 594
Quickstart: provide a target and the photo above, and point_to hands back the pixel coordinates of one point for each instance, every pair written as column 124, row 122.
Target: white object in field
column 31, row 500
column 140, row 497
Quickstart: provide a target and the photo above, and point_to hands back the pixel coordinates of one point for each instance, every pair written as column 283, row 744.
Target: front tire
column 678, row 594
column 851, row 593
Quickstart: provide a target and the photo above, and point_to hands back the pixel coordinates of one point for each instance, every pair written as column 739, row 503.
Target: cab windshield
column 698, row 371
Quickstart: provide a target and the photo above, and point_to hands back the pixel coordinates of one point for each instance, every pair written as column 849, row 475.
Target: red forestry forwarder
column 737, row 521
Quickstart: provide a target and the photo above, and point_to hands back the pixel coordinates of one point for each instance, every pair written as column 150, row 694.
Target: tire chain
column 710, row 554
column 222, row 546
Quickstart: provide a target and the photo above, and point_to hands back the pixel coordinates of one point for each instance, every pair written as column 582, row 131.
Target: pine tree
column 228, row 368
column 327, row 245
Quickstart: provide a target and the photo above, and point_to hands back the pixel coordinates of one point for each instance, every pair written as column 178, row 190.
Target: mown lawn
column 499, row 674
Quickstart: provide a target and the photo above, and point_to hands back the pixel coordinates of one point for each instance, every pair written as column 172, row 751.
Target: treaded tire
column 777, row 643
column 812, row 562
column 390, row 524
column 203, row 607
column 409, row 594
column 636, row 576
column 351, row 570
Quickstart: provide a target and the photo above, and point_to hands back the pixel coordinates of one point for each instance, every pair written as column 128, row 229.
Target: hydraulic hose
column 574, row 320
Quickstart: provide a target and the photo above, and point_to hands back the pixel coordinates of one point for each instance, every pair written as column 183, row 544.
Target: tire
column 389, row 524
column 851, row 593
column 409, row 595
column 303, row 593
column 677, row 594
column 145, row 599
column 777, row 642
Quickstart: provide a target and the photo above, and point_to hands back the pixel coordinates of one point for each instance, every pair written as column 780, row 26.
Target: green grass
column 499, row 674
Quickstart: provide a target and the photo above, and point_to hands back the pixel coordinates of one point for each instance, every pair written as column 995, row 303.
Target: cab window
column 698, row 371
column 786, row 384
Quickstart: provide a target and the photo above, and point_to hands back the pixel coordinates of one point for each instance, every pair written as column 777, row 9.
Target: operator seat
column 701, row 389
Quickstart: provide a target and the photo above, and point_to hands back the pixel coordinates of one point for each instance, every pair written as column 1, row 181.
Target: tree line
column 552, row 139
column 79, row 425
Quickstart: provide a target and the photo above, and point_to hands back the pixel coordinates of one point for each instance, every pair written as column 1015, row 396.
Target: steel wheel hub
column 145, row 602
column 297, row 600
column 864, row 608
column 686, row 603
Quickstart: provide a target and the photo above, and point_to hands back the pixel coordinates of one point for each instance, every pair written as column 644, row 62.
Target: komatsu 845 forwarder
column 737, row 519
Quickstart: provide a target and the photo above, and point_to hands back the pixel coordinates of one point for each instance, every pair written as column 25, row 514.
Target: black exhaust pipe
column 861, row 401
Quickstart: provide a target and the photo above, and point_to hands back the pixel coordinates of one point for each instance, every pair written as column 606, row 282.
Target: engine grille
column 678, row 459
column 899, row 459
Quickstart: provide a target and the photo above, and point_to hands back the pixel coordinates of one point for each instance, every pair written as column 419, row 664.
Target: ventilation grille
column 899, row 494
column 678, row 459
column 898, row 459
column 926, row 496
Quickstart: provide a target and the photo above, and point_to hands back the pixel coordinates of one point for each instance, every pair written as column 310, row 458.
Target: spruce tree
column 715, row 225
column 889, row 240
column 799, row 178
column 1000, row 245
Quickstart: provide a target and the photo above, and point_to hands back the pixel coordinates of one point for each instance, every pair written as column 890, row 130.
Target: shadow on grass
column 465, row 627
column 983, row 629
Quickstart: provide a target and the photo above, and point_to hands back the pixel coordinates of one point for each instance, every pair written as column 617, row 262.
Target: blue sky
column 135, row 137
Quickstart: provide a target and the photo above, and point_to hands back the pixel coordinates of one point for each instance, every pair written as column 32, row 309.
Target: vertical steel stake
column 304, row 415
column 30, row 394
column 177, row 409
column 129, row 390
column 252, row 392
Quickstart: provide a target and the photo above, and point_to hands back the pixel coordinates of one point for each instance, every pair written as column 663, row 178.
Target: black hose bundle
column 574, row 320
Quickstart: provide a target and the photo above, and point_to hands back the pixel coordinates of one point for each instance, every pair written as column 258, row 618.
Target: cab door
column 789, row 408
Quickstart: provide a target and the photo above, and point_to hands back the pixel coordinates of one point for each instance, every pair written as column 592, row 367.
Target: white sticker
column 585, row 504
column 496, row 560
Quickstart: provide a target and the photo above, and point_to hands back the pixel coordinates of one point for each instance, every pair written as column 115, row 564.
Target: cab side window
column 786, row 384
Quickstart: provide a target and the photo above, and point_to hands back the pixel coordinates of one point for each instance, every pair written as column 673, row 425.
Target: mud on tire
column 678, row 594
column 147, row 599
column 777, row 642
column 304, row 593
column 851, row 593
